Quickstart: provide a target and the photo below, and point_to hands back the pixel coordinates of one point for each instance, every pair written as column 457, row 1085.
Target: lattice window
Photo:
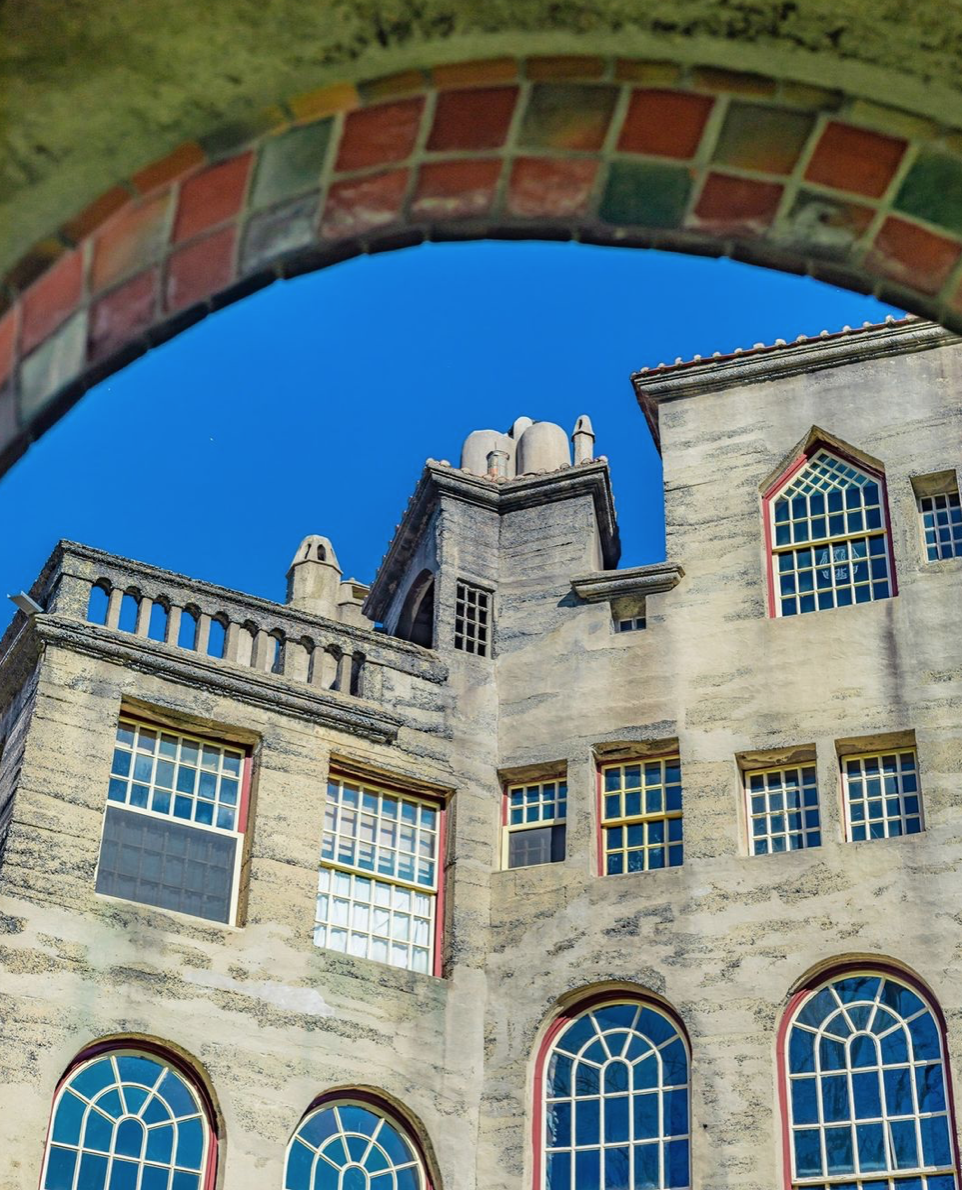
column 129, row 1121
column 616, row 1102
column 941, row 517
column 379, row 876
column 472, row 620
column 882, row 795
column 535, row 823
column 350, row 1146
column 783, row 811
column 641, row 816
column 830, row 538
column 174, row 821
column 867, row 1095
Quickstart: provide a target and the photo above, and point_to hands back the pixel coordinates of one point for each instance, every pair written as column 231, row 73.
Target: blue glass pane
column 575, row 1036
column 931, row 1088
column 804, row 1105
column 60, row 1170
column 821, row 1005
column 588, row 1170
column 617, row 1169
column 66, row 1125
column 900, row 999
column 616, row 1077
column 863, row 1051
column 646, row 1116
column 925, row 1038
column 935, row 1141
column 134, row 1098
column 595, row 1052
column 160, row 1143
column 88, row 1082
column 299, row 1162
column 558, row 1124
column 354, row 1179
column 895, row 1047
column 325, row 1178
column 835, row 1105
column 871, row 1147
column 174, row 1092
column 98, row 1133
column 357, row 1147
column 904, row 1145
column 676, row 1113
column 857, row 987
column 654, row 1026
column 617, row 1043
column 110, row 1103
column 616, row 1016
column 155, row 1112
column 154, row 1178
column 335, row 1151
column 559, row 1075
column 377, row 1160
column 859, row 1015
column 559, row 1172
column 586, row 1079
column 588, row 1122
column 674, row 1063
column 357, row 1119
column 883, row 1021
column 186, row 1181
column 646, row 1167
column 93, row 1172
column 676, row 1163
column 123, row 1176
column 130, row 1138
column 867, row 1095
column 190, row 1144
column 832, row 1054
column 646, row 1073
column 838, row 1150
column 898, row 1092
column 616, row 1119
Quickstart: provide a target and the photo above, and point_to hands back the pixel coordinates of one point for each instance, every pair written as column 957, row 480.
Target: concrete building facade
column 565, row 877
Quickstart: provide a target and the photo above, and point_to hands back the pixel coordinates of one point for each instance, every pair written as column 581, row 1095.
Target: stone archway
column 792, row 160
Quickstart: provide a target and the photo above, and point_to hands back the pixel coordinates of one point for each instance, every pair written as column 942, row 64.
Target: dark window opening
column 416, row 621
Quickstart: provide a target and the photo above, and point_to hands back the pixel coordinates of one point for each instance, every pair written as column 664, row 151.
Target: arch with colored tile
column 606, row 150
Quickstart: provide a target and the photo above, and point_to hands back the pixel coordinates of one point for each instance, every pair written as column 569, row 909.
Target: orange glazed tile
column 470, row 74
column 380, row 135
column 664, row 123
column 455, row 189
column 477, row 119
column 183, row 159
column 325, row 101
column 94, row 216
column 737, row 204
column 122, row 315
column 359, row 206
column 51, row 299
column 913, row 256
column 200, row 269
column 553, row 188
column 132, row 239
column 210, row 197
column 393, row 85
column 662, row 74
column 559, row 68
column 733, row 80
column 8, row 341
column 854, row 159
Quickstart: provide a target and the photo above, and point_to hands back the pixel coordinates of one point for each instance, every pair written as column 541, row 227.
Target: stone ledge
column 636, row 580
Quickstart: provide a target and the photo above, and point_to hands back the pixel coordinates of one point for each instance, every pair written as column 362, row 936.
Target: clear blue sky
column 311, row 406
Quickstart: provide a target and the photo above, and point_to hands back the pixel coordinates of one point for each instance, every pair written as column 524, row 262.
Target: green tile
column 769, row 139
column 642, row 194
column 932, row 190
column 567, row 116
column 291, row 163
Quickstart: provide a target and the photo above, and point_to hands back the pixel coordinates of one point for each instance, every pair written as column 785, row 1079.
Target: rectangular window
column 783, row 812
column 641, row 823
column 941, row 517
column 534, row 826
column 632, row 624
column 380, row 875
column 472, row 620
column 174, row 822
column 882, row 795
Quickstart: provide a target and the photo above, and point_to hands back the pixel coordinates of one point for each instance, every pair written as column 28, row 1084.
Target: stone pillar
column 113, row 607
column 143, row 615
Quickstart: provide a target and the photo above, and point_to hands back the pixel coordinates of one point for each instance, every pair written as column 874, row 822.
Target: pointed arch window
column 613, row 1100
column 129, row 1118
column 866, row 1087
column 828, row 528
column 353, row 1144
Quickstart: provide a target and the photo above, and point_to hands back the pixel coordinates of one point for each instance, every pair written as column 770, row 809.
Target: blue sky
column 311, row 406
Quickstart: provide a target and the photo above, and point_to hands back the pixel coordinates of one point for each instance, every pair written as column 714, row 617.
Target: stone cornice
column 266, row 691
column 637, row 580
column 499, row 496
column 695, row 378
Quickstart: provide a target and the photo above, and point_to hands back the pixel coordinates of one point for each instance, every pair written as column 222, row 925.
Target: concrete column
column 344, row 664
column 203, row 634
column 325, row 668
column 232, row 643
column 173, row 624
column 263, row 654
column 113, row 607
column 143, row 616
column 297, row 660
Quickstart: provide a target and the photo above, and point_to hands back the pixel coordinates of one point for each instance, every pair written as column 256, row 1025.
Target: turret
column 314, row 578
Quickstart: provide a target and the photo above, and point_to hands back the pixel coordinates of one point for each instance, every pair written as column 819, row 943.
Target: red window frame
column 768, row 499
column 192, row 1076
column 811, row 985
column 440, row 802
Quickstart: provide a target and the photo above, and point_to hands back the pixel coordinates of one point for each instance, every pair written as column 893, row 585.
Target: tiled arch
column 605, row 150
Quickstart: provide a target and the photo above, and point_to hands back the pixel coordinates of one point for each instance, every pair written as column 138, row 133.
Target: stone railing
column 214, row 622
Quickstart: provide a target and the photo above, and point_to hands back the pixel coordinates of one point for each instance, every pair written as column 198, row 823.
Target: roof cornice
column 636, row 580
column 653, row 386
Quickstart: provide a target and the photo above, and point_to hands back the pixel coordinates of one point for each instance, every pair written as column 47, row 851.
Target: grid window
column 173, row 822
column 472, row 620
column 783, row 810
column 867, row 1092
column 941, row 525
column 378, row 882
column 882, row 796
column 535, row 823
column 632, row 624
column 641, row 824
column 616, row 1102
column 830, row 539
column 351, row 1146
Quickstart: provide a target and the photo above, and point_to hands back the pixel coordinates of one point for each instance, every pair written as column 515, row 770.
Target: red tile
column 123, row 314
column 557, row 189
column 212, row 196
column 664, row 123
column 8, row 341
column 97, row 214
column 132, row 239
column 51, row 299
column 853, row 159
column 468, row 74
column 200, row 269
column 476, row 119
column 737, row 204
column 183, row 159
column 913, row 256
column 356, row 207
column 380, row 135
column 455, row 189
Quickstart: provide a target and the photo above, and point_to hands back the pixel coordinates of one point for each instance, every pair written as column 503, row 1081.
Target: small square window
column 940, row 517
column 535, row 823
column 882, row 795
column 472, row 620
column 782, row 809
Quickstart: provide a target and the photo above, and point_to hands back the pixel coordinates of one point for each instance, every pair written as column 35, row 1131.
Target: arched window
column 613, row 1100
column 865, row 1087
column 129, row 611
column 353, row 1144
column 97, row 604
column 828, row 529
column 187, row 634
column 217, row 637
column 157, row 627
column 129, row 1120
column 416, row 621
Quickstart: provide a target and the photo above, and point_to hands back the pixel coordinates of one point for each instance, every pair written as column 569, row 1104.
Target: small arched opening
column 416, row 621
